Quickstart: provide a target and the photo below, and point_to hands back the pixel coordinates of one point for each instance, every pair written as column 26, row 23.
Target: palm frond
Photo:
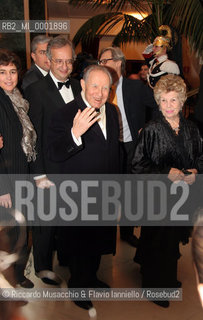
column 110, row 4
column 187, row 18
column 92, row 28
column 134, row 30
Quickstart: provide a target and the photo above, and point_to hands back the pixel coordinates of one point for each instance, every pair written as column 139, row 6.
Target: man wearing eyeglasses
column 132, row 97
column 41, row 65
column 45, row 97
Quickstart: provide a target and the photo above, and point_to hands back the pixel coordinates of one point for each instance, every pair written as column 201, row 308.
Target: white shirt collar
column 162, row 58
column 41, row 70
column 120, row 82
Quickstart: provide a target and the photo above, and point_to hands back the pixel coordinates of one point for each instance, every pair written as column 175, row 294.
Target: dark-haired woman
column 19, row 140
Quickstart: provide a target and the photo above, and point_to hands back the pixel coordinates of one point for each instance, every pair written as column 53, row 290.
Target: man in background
column 41, row 65
column 84, row 139
column 46, row 96
column 144, row 70
column 156, row 56
column 131, row 98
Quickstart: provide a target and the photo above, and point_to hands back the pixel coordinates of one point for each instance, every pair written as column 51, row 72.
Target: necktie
column 61, row 84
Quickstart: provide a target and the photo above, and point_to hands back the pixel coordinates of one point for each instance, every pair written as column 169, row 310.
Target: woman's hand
column 5, row 201
column 190, row 178
column 175, row 175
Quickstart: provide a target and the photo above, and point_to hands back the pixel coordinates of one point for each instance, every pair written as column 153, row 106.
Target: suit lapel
column 53, row 92
column 37, row 71
column 76, row 89
column 109, row 122
column 125, row 100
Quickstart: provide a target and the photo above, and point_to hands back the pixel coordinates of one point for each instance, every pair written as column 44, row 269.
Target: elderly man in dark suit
column 41, row 65
column 45, row 97
column 132, row 99
column 84, row 141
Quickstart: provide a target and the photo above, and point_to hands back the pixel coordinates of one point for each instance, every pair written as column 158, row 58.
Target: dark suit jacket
column 31, row 76
column 45, row 98
column 95, row 155
column 12, row 158
column 136, row 98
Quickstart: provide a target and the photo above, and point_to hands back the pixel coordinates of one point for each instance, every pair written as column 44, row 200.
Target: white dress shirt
column 126, row 135
column 66, row 93
column 41, row 70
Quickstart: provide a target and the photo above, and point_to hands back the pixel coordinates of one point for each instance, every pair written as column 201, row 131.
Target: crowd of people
column 104, row 123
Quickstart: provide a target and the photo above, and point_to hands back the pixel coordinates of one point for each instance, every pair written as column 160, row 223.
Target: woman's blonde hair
column 168, row 83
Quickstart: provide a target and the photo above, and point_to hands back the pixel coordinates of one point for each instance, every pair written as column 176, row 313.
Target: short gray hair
column 39, row 39
column 94, row 67
column 59, row 42
column 117, row 54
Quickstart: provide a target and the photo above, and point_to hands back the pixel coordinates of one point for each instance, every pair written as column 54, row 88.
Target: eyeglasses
column 61, row 62
column 104, row 61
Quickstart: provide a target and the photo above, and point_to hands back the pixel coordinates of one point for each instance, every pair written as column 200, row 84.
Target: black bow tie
column 61, row 84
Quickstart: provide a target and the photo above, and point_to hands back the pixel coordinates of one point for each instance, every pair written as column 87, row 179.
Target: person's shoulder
column 190, row 123
column 31, row 76
column 132, row 82
column 2, row 93
column 135, row 86
column 111, row 107
column 170, row 66
column 39, row 84
column 3, row 97
column 154, row 124
column 32, row 69
column 75, row 81
column 75, row 84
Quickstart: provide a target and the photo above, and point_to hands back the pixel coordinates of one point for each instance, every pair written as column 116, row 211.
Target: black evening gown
column 158, row 150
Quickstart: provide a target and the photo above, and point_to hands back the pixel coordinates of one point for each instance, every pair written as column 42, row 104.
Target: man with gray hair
column 131, row 97
column 46, row 96
column 41, row 65
column 84, row 139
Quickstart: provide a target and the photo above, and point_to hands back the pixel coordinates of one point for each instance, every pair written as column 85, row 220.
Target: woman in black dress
column 19, row 139
column 166, row 146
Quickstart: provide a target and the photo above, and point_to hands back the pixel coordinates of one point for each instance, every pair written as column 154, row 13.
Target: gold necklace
column 174, row 126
